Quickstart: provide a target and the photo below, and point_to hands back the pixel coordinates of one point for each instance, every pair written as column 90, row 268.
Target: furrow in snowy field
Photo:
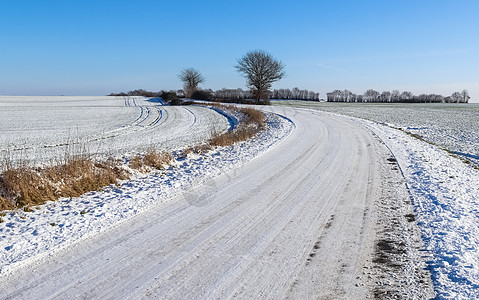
column 42, row 129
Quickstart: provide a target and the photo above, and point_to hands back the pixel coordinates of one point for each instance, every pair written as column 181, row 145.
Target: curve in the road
column 295, row 222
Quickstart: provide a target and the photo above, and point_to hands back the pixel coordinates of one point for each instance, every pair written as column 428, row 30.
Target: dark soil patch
column 410, row 217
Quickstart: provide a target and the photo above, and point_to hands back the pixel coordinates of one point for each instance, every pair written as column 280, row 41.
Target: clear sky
column 88, row 47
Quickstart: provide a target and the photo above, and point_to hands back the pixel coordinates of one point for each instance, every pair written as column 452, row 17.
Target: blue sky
column 97, row 47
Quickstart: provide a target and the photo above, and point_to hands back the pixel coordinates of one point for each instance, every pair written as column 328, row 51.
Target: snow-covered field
column 444, row 189
column 44, row 129
column 58, row 224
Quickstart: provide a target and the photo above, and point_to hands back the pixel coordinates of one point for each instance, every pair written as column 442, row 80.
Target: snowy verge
column 26, row 237
column 445, row 195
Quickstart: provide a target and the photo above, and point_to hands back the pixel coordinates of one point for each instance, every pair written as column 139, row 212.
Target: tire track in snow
column 194, row 117
column 160, row 126
column 158, row 117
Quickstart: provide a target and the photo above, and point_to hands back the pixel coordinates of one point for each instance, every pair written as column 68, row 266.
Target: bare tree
column 371, row 95
column 406, row 96
column 347, row 96
column 395, row 96
column 261, row 70
column 385, row 96
column 465, row 96
column 456, row 97
column 191, row 78
column 335, row 96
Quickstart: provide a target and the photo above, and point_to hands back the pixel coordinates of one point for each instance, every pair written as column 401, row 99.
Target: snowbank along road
column 307, row 219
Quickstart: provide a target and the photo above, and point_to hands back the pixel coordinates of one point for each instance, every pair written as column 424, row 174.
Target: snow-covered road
column 299, row 221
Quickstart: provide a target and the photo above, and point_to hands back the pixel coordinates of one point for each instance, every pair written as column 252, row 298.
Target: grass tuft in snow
column 152, row 159
column 4, row 203
column 198, row 149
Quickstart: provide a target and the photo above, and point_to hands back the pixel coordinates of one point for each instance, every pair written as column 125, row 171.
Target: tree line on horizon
column 246, row 96
column 227, row 95
column 373, row 96
column 261, row 70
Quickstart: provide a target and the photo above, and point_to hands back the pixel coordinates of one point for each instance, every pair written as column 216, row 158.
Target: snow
column 299, row 220
column 450, row 126
column 442, row 185
column 59, row 224
column 446, row 196
column 44, row 129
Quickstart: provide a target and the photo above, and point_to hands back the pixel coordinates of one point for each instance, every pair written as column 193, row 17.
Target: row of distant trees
column 294, row 94
column 226, row 95
column 396, row 97
column 240, row 95
column 141, row 92
column 232, row 95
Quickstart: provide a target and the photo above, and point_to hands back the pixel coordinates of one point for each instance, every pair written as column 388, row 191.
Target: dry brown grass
column 136, row 162
column 157, row 160
column 81, row 176
column 231, row 137
column 23, row 186
column 255, row 117
column 151, row 160
column 5, row 204
column 253, row 123
column 198, row 149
